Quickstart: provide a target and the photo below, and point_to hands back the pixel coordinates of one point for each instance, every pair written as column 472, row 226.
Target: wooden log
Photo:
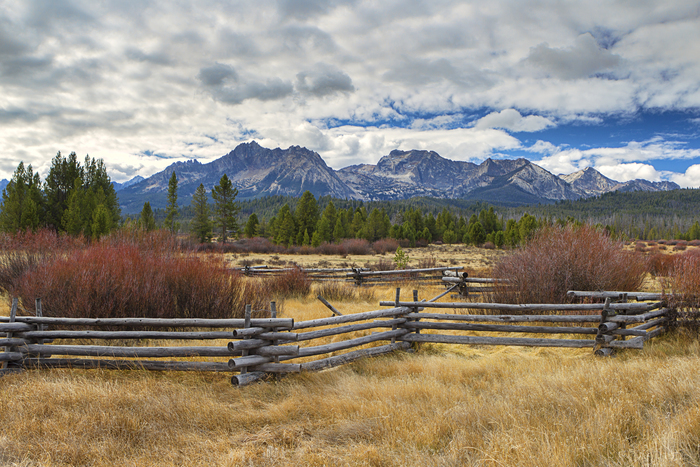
column 15, row 327
column 639, row 296
column 509, row 318
column 650, row 324
column 638, row 318
column 106, row 364
column 10, row 350
column 654, row 333
column 246, row 325
column 245, row 379
column 108, row 335
column 641, row 307
column 262, row 333
column 401, row 271
column 437, row 297
column 501, row 328
column 249, row 360
column 473, row 280
column 604, row 338
column 342, row 345
column 330, row 307
column 284, row 323
column 247, row 344
column 607, row 327
column 278, row 367
column 12, row 342
column 350, row 318
column 126, row 352
column 603, row 352
column 352, row 356
column 305, row 336
column 276, row 350
column 10, row 356
column 487, row 340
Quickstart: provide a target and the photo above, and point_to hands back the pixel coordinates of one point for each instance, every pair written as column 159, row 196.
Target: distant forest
column 627, row 215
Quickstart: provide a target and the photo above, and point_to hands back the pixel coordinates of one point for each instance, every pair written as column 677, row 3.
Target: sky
column 613, row 85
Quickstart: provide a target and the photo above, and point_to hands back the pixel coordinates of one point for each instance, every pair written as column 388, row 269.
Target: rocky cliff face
column 258, row 171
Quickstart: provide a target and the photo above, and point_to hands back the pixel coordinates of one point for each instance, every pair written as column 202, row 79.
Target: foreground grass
column 444, row 405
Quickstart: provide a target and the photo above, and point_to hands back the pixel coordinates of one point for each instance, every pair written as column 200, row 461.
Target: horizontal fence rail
column 255, row 348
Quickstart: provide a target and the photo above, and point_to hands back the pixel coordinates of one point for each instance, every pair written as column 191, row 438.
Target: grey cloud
column 45, row 14
column 307, row 9
column 272, row 89
column 158, row 58
column 22, row 66
column 217, row 74
column 422, row 71
column 8, row 45
column 307, row 39
column 324, row 80
column 232, row 44
column 583, row 59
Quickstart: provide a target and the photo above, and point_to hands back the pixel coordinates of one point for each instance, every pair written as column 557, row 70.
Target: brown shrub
column 335, row 291
column 680, row 247
column 489, row 246
column 560, row 259
column 660, row 264
column 115, row 280
column 385, row 245
column 683, row 282
column 294, row 283
column 428, row 262
column 356, row 246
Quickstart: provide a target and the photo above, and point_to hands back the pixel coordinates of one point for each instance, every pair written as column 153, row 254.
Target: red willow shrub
column 560, row 259
column 661, row 264
column 293, row 283
column 115, row 280
column 683, row 283
column 385, row 245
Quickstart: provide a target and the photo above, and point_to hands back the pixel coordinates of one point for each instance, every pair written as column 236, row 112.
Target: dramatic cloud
column 148, row 83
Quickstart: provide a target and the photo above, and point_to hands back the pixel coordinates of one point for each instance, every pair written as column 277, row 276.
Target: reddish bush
column 122, row 280
column 385, row 245
column 356, row 246
column 694, row 243
column 488, row 246
column 661, row 264
column 680, row 247
column 294, row 283
column 561, row 259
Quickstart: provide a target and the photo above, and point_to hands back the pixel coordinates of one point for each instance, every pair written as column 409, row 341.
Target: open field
column 442, row 405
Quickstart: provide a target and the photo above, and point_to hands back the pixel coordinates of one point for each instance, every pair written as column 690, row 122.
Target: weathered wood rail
column 254, row 348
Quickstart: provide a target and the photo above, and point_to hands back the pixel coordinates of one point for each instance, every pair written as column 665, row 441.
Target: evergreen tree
column 101, row 221
column 285, row 226
column 226, row 208
column 171, row 209
column 251, row 227
column 477, row 235
column 306, row 215
column 147, row 218
column 201, row 224
column 57, row 186
column 22, row 201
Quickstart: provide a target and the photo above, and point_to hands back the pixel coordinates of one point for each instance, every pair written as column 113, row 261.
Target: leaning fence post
column 605, row 329
column 273, row 314
column 415, row 309
column 246, row 325
column 13, row 316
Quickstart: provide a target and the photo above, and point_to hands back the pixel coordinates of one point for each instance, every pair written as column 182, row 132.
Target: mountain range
column 257, row 171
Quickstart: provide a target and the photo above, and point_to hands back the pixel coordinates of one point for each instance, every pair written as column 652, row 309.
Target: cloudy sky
column 142, row 84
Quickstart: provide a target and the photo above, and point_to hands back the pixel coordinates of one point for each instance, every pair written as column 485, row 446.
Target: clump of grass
column 335, row 291
column 560, row 259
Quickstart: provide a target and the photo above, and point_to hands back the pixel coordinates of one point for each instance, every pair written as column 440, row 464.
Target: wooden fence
column 259, row 347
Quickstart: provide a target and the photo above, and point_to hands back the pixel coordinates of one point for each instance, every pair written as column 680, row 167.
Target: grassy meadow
column 441, row 405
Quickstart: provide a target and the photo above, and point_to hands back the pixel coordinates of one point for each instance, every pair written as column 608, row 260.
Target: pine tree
column 226, row 208
column 201, row 224
column 171, row 209
column 251, row 227
column 57, row 186
column 22, row 201
column 147, row 218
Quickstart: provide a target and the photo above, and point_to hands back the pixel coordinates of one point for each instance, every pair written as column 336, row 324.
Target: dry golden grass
column 472, row 258
column 443, row 405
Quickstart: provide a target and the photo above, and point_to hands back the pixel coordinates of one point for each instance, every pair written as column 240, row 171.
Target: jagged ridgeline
column 258, row 172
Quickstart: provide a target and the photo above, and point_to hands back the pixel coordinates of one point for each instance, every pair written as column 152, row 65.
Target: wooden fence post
column 13, row 316
column 415, row 310
column 605, row 329
column 273, row 314
column 246, row 325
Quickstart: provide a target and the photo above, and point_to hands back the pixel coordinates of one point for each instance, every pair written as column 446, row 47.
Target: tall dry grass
column 493, row 408
column 560, row 259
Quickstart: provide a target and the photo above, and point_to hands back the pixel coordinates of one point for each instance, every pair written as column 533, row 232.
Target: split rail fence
column 259, row 347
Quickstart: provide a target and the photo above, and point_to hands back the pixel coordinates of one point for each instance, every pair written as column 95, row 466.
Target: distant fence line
column 260, row 347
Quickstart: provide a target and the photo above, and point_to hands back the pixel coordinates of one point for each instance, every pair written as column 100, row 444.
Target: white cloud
column 193, row 79
column 512, row 120
column 689, row 179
